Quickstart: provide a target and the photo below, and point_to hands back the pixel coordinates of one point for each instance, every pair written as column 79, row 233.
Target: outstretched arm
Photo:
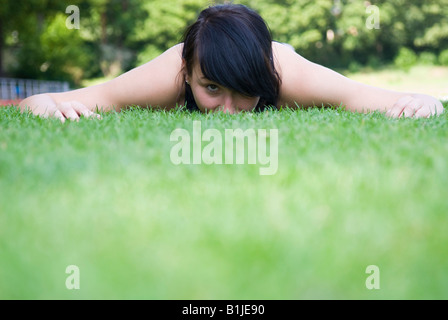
column 155, row 84
column 309, row 84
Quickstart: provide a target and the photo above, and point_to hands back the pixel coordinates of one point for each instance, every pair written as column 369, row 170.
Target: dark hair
column 233, row 46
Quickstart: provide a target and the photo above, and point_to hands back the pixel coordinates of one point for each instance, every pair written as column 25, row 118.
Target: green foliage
column 60, row 55
column 405, row 59
column 165, row 25
column 354, row 67
column 374, row 62
column 427, row 58
column 443, row 58
column 120, row 34
column 109, row 27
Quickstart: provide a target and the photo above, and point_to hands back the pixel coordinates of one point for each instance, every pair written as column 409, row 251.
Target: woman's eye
column 212, row 88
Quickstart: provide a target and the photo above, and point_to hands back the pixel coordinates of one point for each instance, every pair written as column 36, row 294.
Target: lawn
column 351, row 191
column 432, row 80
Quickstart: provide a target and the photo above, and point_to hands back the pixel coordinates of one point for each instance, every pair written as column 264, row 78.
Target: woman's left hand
column 417, row 106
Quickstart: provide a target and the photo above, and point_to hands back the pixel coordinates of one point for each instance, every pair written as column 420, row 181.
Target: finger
column 398, row 107
column 67, row 110
column 395, row 111
column 408, row 112
column 82, row 110
column 411, row 108
column 51, row 113
column 430, row 110
column 439, row 108
column 57, row 114
column 423, row 112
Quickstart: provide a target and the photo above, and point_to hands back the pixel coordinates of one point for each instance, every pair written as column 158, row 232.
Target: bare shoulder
column 157, row 83
column 291, row 68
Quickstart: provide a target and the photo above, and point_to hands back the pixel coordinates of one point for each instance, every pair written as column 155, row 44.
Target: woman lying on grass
column 228, row 61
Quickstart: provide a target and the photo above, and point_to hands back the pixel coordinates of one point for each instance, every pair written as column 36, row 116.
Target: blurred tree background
column 117, row 35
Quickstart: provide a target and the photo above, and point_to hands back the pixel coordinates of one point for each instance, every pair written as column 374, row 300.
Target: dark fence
column 16, row 89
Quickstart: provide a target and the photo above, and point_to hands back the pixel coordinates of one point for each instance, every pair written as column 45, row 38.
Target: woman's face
column 210, row 96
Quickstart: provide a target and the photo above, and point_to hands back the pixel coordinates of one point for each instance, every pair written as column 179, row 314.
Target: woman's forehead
column 197, row 71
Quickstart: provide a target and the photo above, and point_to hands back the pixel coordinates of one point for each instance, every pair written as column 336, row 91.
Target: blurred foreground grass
column 352, row 190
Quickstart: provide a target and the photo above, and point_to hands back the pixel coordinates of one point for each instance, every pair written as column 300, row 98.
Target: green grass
column 352, row 190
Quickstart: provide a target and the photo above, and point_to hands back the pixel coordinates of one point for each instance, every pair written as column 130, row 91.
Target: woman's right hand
column 45, row 106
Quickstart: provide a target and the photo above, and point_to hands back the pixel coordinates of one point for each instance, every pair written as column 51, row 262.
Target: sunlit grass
column 352, row 190
column 432, row 80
